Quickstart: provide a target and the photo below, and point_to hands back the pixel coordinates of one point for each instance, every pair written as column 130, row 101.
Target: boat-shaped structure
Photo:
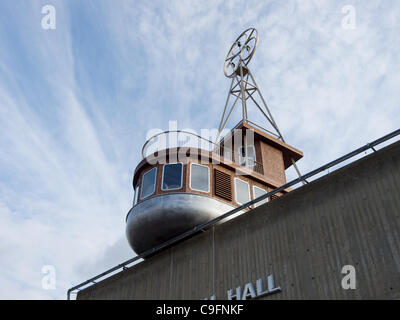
column 182, row 186
column 178, row 188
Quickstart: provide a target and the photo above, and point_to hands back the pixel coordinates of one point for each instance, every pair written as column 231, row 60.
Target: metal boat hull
column 160, row 218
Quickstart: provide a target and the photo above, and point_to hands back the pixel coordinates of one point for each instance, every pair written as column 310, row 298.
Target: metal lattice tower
column 243, row 86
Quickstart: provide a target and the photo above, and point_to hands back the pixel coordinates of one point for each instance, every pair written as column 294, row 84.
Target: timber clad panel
column 222, row 185
column 273, row 164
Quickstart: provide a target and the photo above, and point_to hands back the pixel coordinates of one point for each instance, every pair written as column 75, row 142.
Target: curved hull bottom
column 160, row 218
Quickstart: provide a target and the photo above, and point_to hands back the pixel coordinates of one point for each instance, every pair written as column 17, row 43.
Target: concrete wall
column 303, row 238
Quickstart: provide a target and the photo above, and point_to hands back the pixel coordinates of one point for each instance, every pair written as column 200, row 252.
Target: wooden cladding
column 222, row 185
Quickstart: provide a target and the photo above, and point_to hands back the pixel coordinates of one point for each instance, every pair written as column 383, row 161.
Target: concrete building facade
column 303, row 239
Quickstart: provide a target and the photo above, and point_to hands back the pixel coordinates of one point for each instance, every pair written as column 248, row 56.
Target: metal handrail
column 217, row 146
column 202, row 226
column 217, row 149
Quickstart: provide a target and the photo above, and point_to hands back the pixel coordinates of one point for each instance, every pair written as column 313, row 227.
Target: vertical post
column 244, row 109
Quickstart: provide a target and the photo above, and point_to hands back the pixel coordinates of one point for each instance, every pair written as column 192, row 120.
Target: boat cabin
column 245, row 164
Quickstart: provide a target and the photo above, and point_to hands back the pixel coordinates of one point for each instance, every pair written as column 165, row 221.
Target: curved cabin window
column 199, row 177
column 242, row 191
column 148, row 183
column 258, row 192
column 172, row 176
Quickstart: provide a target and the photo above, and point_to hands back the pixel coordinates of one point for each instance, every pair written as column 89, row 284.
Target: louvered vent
column 222, row 185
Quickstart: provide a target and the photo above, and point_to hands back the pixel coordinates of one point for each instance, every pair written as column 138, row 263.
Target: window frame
column 234, row 185
column 209, row 178
column 155, row 183
column 254, row 197
column 162, row 176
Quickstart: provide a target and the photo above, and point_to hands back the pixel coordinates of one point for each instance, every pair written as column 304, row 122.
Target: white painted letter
column 249, row 291
column 232, row 296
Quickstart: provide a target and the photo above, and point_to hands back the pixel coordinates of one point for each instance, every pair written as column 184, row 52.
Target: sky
column 77, row 101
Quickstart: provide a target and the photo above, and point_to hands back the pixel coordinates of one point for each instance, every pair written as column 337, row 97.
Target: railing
column 212, row 222
column 200, row 144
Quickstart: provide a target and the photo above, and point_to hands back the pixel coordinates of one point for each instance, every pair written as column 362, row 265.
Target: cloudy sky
column 77, row 101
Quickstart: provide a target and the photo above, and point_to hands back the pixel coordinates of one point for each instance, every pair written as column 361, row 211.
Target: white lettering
column 249, row 291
